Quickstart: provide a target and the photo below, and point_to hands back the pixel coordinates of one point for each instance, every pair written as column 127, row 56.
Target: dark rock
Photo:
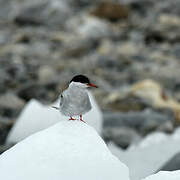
column 3, row 79
column 41, row 92
column 5, row 125
column 155, row 37
column 108, row 62
column 173, row 164
column 141, row 7
column 77, row 47
column 17, row 72
column 111, row 11
column 4, row 148
column 143, row 122
column 166, row 127
column 10, row 105
column 82, row 3
column 122, row 136
column 30, row 16
column 43, row 13
column 126, row 103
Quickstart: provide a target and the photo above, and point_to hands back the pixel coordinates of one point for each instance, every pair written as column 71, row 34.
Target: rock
column 169, row 20
column 143, row 122
column 75, row 46
column 29, row 123
column 5, row 125
column 148, row 89
column 82, row 3
column 154, row 93
column 166, row 127
column 32, row 90
column 88, row 27
column 121, row 136
column 128, row 49
column 3, row 78
column 46, row 74
column 176, row 50
column 124, row 102
column 41, row 91
column 43, row 13
column 4, row 148
column 10, row 104
column 63, row 148
column 172, row 164
column 16, row 72
column 112, row 63
column 111, row 11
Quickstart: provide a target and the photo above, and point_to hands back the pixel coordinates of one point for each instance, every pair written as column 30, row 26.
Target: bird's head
column 81, row 81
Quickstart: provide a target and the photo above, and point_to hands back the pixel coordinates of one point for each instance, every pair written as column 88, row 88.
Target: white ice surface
column 69, row 150
column 150, row 155
column 165, row 175
column 35, row 117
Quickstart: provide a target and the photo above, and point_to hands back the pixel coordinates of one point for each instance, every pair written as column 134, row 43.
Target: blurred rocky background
column 129, row 48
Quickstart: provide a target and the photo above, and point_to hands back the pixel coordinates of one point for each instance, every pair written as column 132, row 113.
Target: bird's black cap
column 80, row 78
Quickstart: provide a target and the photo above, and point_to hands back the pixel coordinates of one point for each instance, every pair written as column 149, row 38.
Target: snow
column 69, row 150
column 165, row 175
column 152, row 139
column 150, row 155
column 36, row 117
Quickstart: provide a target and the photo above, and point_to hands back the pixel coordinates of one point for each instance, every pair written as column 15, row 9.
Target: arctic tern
column 74, row 101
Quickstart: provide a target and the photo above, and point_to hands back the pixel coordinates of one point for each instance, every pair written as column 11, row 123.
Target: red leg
column 71, row 118
column 81, row 119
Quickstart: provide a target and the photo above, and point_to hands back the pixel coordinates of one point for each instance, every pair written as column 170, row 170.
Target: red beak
column 92, row 85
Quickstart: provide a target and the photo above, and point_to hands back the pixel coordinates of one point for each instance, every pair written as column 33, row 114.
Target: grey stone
column 4, row 148
column 43, row 13
column 78, row 47
column 46, row 74
column 3, row 78
column 38, row 91
column 88, row 27
column 5, row 125
column 122, row 136
column 124, row 103
column 143, row 122
column 11, row 101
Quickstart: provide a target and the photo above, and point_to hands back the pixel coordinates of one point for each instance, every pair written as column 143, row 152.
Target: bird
column 74, row 101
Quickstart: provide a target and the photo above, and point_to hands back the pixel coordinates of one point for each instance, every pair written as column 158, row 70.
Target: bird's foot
column 71, row 118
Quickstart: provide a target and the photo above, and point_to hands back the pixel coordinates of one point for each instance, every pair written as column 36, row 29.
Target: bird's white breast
column 75, row 101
